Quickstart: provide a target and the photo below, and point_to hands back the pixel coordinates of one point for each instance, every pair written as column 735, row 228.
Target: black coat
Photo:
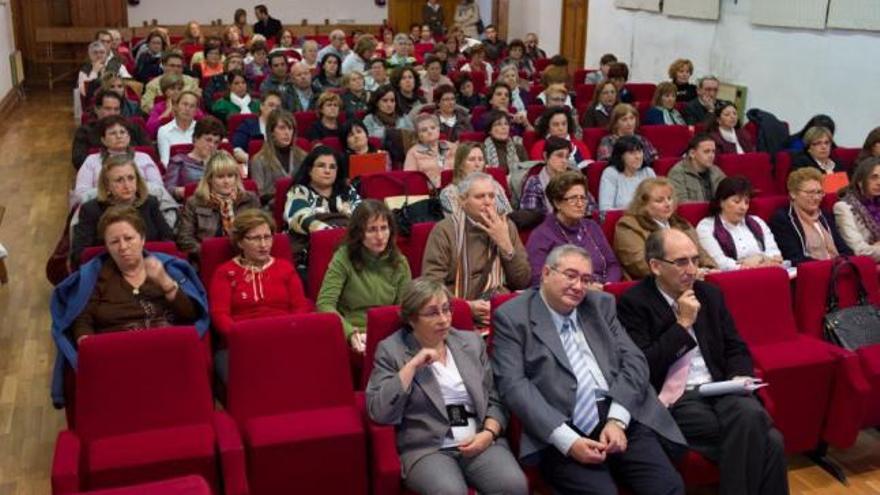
column 789, row 235
column 695, row 113
column 802, row 159
column 270, row 29
column 651, row 324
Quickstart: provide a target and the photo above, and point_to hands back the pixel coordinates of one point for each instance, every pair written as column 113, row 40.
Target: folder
column 834, row 182
column 368, row 163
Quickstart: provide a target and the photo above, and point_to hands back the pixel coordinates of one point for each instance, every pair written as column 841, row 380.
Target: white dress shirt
column 745, row 241
column 171, row 134
column 454, row 393
column 698, row 372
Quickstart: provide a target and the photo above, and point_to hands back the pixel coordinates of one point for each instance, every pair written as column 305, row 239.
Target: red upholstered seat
column 144, row 412
column 765, row 206
column 811, row 294
column 641, row 91
column 846, row 156
column 787, row 359
column 662, row 166
column 472, row 137
column 609, row 223
column 414, row 248
column 236, row 120
column 583, row 95
column 323, row 245
column 153, row 154
column 332, row 142
column 291, row 395
column 304, row 121
column 282, row 186
column 218, row 250
column 781, row 169
column 754, row 166
column 670, row 140
column 594, row 176
column 166, row 247
column 396, row 183
column 186, row 485
column 693, row 212
column 592, row 136
column 617, row 289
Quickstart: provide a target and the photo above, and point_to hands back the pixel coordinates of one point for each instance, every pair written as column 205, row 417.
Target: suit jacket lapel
column 424, row 377
column 545, row 330
column 471, row 372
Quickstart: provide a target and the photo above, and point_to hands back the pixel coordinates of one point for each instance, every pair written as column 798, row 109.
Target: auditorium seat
column 669, row 140
column 641, row 91
column 594, row 176
column 165, row 247
column 580, row 75
column 533, row 112
column 291, row 396
column 781, row 169
column 535, row 91
column 322, row 246
column 218, row 250
column 662, row 166
column 763, row 207
column 846, row 156
column 693, row 212
column 153, row 154
column 236, row 120
column 384, row 460
column 144, row 412
column 331, row 142
column 810, row 299
column 786, row 359
column 472, row 137
column 186, row 485
column 754, row 166
column 282, row 186
column 609, row 223
column 414, row 248
column 583, row 95
column 304, row 121
column 592, row 136
column 395, row 183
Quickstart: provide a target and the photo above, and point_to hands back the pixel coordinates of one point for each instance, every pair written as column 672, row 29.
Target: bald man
column 337, row 45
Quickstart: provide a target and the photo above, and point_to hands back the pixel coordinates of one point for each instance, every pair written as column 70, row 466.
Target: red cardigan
column 236, row 295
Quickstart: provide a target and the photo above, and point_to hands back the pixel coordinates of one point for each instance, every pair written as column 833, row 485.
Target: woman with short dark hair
column 238, row 100
column 729, row 137
column 625, row 171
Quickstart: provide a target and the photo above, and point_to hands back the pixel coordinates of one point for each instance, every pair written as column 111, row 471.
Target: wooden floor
column 36, row 174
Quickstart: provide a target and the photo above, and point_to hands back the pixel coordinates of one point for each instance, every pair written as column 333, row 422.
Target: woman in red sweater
column 254, row 284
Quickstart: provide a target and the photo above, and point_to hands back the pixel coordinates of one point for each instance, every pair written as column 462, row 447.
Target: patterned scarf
column 495, row 277
column 226, row 206
column 493, row 158
column 866, row 213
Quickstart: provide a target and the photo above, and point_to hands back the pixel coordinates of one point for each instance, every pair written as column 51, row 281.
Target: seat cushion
column 152, row 455
column 793, row 353
column 870, row 359
column 315, row 451
column 697, row 470
column 188, row 485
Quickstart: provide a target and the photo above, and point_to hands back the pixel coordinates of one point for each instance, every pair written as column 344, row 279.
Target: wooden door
column 573, row 42
column 403, row 13
column 103, row 13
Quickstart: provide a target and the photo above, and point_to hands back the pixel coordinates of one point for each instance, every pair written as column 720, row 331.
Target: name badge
column 458, row 415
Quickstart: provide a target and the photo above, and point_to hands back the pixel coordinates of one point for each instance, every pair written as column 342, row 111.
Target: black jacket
column 802, row 159
column 695, row 113
column 789, row 235
column 651, row 324
column 270, row 29
column 772, row 132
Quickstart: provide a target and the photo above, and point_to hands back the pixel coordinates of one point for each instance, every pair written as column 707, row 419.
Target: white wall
column 793, row 73
column 288, row 11
column 543, row 17
column 7, row 46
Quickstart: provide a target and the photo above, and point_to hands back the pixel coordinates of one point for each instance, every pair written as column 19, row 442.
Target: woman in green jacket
column 238, row 100
column 367, row 270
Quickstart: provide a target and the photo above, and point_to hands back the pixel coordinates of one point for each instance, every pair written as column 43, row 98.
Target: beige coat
column 630, row 235
column 854, row 232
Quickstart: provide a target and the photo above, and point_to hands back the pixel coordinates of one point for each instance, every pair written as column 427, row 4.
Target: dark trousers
column 644, row 468
column 737, row 433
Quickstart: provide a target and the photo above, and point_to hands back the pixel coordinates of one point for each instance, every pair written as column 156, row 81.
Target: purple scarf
column 725, row 240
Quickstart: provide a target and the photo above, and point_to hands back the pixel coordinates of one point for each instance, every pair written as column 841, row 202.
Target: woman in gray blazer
column 434, row 384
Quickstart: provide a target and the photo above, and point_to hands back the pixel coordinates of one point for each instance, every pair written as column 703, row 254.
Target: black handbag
column 856, row 326
column 420, row 210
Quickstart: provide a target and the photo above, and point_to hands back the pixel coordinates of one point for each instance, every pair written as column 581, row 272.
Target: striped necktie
column 585, row 416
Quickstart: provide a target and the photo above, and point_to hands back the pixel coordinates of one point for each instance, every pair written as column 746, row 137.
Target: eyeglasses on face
column 573, row 276
column 258, row 238
column 434, row 313
column 683, row 262
column 575, row 199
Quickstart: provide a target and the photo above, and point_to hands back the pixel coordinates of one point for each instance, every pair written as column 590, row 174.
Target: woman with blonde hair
column 680, row 72
column 279, row 157
column 624, row 122
column 652, row 208
column 469, row 158
column 210, row 212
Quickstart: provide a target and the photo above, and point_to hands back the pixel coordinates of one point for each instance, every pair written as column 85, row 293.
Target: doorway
column 573, row 39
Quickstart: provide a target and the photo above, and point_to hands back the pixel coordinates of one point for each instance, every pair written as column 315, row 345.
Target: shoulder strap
column 832, row 301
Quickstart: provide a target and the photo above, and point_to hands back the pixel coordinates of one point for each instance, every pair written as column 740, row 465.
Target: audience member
column 476, row 63
column 355, row 98
column 453, row 119
column 216, row 86
column 663, row 111
column 115, row 140
column 725, row 130
column 732, row 237
column 566, row 224
column 533, row 51
column 254, row 129
column 625, row 171
column 88, row 79
column 558, row 122
column 701, row 108
column 689, row 338
column 279, row 156
column 605, row 63
column 494, row 46
column 625, row 122
column 857, row 212
column 209, row 61
column 172, row 63
column 469, row 159
column 467, row 18
column 310, row 54
column 433, row 78
column 680, row 72
column 232, row 42
column 117, row 49
column 467, row 95
column 556, row 161
column 356, row 141
column 519, row 94
column 516, row 56
column 337, row 46
column 286, row 43
column 439, row 453
column 818, row 142
column 696, row 177
column 266, row 25
column 377, row 75
column 431, row 154
column 257, row 68
column 557, row 350
column 796, row 140
column 357, row 59
column 407, row 85
column 218, row 198
column 384, row 116
column 327, row 125
column 88, row 136
column 119, row 183
column 238, row 101
column 403, row 52
column 148, row 63
column 239, row 20
column 477, row 253
column 319, row 199
column 143, row 46
column 186, row 168
column 652, row 208
column 367, row 270
column 432, row 15
column 113, row 82
column 618, row 74
column 180, row 129
column 556, row 95
column 171, row 86
column 329, row 75
column 501, row 147
column 871, row 147
column 278, row 80
column 192, row 36
column 598, row 113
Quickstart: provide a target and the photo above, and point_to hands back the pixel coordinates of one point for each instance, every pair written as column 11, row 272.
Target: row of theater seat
column 292, row 421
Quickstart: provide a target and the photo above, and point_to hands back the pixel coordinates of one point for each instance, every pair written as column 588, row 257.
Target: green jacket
column 350, row 292
column 688, row 184
column 223, row 108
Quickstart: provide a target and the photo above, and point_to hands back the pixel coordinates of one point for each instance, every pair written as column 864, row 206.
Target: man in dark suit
column 701, row 108
column 266, row 25
column 689, row 338
column 567, row 369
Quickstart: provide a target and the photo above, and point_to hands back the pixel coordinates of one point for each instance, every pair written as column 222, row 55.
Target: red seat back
column 534, row 111
column 662, row 166
column 287, row 364
column 609, row 223
column 530, row 137
column 153, row 154
column 304, row 121
column 594, row 176
column 811, row 290
column 472, row 137
column 781, row 171
column 128, row 382
column 535, row 91
column 592, row 136
column 414, row 249
column 322, row 246
column 754, row 166
column 670, row 140
column 236, row 120
column 694, row 212
column 617, row 289
column 641, row 91
column 479, row 79
column 759, row 320
column 332, row 142
column 583, row 93
column 846, row 156
column 166, row 247
column 383, row 321
column 395, row 183
column 764, row 207
column 218, row 250
column 282, row 185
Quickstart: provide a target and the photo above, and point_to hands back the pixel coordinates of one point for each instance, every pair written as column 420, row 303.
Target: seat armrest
column 232, row 455
column 65, row 463
column 384, row 461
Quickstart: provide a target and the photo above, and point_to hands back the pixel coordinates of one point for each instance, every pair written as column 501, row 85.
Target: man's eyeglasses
column 683, row 262
column 572, row 276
